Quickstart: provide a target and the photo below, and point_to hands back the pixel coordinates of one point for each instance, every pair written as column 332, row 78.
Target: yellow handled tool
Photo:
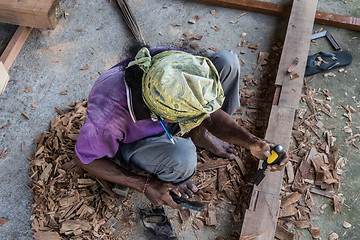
column 276, row 154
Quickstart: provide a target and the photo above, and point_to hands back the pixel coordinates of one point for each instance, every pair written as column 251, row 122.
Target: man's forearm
column 224, row 127
column 109, row 171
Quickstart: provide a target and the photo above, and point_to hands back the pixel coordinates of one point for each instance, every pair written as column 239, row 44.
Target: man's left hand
column 261, row 150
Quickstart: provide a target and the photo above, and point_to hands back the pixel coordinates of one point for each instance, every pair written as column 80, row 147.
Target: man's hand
column 157, row 192
column 261, row 150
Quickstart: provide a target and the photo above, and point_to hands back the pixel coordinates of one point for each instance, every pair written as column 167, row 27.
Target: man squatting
column 191, row 94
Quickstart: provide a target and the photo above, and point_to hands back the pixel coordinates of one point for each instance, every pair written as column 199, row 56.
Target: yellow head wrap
column 179, row 86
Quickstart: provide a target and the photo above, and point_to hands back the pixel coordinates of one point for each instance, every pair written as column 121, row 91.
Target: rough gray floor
column 50, row 62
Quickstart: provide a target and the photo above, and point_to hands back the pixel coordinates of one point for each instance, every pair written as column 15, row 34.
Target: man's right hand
column 158, row 192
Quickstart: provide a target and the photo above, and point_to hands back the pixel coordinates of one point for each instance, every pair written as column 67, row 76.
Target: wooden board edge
column 4, row 77
column 274, row 9
column 14, row 46
column 255, row 6
column 264, row 219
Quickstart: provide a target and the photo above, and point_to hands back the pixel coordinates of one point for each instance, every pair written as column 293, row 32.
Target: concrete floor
column 50, row 62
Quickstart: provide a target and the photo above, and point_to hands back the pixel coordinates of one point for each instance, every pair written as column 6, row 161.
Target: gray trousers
column 176, row 163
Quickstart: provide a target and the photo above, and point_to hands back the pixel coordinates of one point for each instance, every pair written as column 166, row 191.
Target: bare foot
column 204, row 139
column 187, row 189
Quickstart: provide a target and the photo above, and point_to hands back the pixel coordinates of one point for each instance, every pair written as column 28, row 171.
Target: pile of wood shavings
column 223, row 183
column 314, row 168
column 68, row 203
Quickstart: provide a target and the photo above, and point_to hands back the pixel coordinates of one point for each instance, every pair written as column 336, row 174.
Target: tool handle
column 276, row 154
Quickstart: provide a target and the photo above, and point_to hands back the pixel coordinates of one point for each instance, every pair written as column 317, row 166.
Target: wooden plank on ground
column 4, row 78
column 274, row 9
column 14, row 46
column 264, row 205
column 44, row 14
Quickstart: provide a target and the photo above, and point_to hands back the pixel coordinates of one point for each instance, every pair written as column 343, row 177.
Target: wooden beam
column 4, row 78
column 278, row 10
column 44, row 14
column 264, row 204
column 14, row 46
column 256, row 6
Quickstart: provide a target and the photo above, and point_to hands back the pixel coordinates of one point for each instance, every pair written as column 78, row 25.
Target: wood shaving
column 329, row 74
column 187, row 33
column 84, row 68
column 216, row 27
column 293, row 65
column 333, row 236
column 215, row 49
column 346, row 224
column 253, row 46
column 294, row 76
column 5, row 126
column 28, row 89
column 4, row 153
column 315, row 232
column 194, row 19
column 66, row 14
column 196, row 37
column 3, row 221
column 26, row 115
column 241, row 15
column 248, row 237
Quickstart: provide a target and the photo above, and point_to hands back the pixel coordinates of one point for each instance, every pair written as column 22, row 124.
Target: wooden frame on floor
column 10, row 53
column 278, row 10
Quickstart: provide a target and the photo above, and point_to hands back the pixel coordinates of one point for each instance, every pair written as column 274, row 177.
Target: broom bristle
column 130, row 21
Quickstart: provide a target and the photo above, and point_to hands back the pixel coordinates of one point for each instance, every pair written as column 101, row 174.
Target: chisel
column 276, row 154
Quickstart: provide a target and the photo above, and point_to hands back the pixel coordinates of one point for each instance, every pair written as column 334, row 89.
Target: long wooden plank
column 264, row 205
column 274, row 9
column 44, row 14
column 4, row 78
column 14, row 46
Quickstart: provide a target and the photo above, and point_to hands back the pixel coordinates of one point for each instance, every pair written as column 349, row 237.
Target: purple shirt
column 108, row 120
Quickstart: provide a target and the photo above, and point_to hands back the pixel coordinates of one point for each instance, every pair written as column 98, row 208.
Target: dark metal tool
column 193, row 205
column 276, row 154
column 328, row 35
